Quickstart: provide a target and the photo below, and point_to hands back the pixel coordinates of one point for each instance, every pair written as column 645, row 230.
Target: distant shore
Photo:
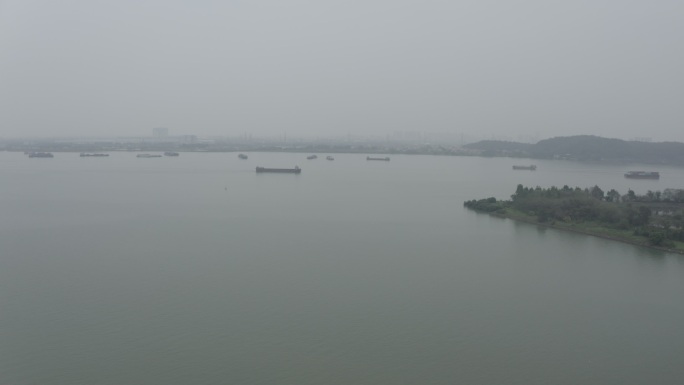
column 574, row 148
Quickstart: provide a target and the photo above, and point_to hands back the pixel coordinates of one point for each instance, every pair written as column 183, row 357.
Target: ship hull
column 642, row 175
column 295, row 170
column 41, row 155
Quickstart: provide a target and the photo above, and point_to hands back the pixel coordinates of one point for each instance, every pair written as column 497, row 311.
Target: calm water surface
column 196, row 270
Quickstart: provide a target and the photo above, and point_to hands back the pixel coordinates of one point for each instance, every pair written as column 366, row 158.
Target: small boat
column 386, row 159
column 530, row 167
column 642, row 174
column 171, row 153
column 40, row 155
column 242, row 156
column 148, row 156
column 295, row 170
column 329, row 157
column 97, row 155
column 312, row 157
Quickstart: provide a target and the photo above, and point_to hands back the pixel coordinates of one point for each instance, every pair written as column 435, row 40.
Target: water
column 197, row 270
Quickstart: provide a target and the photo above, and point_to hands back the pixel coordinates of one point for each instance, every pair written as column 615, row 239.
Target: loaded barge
column 530, row 167
column 642, row 174
column 40, row 155
column 295, row 170
column 148, row 156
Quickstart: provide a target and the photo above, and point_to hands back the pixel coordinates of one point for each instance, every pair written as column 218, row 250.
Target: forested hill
column 588, row 147
column 597, row 148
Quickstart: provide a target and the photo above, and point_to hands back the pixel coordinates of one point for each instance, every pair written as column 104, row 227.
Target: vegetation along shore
column 655, row 219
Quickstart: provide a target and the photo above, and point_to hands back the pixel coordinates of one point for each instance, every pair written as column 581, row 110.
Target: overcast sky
column 613, row 68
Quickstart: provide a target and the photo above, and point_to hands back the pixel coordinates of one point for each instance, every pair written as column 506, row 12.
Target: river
column 195, row 269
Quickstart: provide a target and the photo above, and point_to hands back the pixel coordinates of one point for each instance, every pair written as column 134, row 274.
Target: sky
column 494, row 68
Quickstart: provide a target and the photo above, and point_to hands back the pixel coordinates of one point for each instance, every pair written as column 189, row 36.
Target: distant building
column 160, row 132
column 188, row 138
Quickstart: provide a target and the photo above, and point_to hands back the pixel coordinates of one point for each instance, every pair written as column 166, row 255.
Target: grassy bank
column 653, row 224
column 593, row 229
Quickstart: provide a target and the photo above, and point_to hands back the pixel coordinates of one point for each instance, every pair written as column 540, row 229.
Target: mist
column 495, row 68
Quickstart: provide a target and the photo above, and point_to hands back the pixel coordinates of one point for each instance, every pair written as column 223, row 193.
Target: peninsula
column 655, row 219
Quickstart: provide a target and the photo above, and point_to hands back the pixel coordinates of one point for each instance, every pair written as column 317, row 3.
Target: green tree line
column 655, row 215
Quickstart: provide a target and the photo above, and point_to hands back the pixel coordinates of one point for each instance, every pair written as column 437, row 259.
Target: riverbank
column 654, row 220
column 624, row 236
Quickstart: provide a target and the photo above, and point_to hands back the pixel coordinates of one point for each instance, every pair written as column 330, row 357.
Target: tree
column 656, row 238
column 597, row 193
column 519, row 192
column 631, row 196
column 613, row 196
column 643, row 216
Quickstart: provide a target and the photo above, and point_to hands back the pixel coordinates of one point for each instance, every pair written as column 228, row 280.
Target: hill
column 588, row 147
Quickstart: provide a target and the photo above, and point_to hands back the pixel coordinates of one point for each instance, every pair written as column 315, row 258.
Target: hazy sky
column 490, row 67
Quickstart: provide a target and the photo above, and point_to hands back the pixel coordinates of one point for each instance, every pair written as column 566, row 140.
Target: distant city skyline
column 496, row 69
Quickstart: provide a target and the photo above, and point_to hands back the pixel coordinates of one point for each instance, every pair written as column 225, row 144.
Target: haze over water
column 197, row 270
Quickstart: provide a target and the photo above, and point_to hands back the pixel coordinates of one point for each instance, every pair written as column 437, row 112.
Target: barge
column 530, row 167
column 386, row 159
column 40, row 155
column 295, row 170
column 642, row 174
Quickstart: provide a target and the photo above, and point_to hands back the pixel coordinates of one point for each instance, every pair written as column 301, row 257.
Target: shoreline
column 584, row 232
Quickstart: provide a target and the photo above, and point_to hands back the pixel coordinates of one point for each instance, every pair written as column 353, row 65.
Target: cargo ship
column 84, row 154
column 171, row 153
column 242, row 156
column 530, row 167
column 295, row 170
column 148, row 156
column 642, row 174
column 40, row 155
column 386, row 159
